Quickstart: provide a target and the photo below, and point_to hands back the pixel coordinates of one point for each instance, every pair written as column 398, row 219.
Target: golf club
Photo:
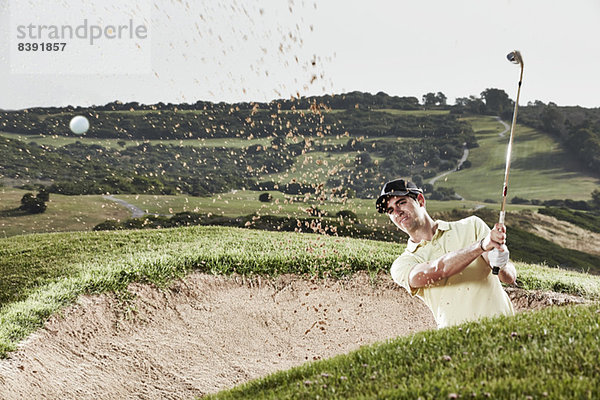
column 515, row 58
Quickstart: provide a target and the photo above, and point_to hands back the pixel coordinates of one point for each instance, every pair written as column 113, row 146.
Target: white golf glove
column 499, row 258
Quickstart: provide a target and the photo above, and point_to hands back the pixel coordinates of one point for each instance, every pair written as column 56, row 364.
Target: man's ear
column 421, row 199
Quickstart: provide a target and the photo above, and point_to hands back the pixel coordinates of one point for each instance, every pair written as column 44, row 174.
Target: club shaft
column 509, row 151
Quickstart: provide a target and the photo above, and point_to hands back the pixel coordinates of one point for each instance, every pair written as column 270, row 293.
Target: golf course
column 227, row 306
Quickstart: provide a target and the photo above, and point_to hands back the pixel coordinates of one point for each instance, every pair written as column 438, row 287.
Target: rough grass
column 552, row 354
column 583, row 219
column 42, row 273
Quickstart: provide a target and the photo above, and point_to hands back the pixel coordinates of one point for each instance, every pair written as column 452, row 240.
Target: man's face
column 405, row 212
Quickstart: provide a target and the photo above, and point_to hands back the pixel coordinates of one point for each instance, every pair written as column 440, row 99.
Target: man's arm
column 454, row 262
column 449, row 264
column 508, row 274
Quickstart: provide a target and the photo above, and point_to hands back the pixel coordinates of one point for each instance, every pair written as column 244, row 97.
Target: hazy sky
column 226, row 50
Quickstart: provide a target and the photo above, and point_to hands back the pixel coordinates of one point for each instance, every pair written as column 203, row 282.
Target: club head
column 515, row 57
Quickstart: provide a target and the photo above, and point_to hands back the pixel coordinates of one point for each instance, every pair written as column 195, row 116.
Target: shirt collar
column 441, row 226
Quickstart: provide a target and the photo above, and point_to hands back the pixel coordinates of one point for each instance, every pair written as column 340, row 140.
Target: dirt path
column 136, row 212
column 506, row 127
column 205, row 334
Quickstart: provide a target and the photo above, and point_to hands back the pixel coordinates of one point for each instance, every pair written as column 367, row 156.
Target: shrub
column 417, row 180
column 519, row 200
column 34, row 205
column 443, row 194
column 108, row 225
column 346, row 214
column 265, row 197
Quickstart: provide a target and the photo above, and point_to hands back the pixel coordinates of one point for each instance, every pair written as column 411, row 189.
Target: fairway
column 540, row 169
column 416, row 113
column 64, row 213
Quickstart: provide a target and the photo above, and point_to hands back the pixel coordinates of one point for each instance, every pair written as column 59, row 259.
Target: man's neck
column 424, row 232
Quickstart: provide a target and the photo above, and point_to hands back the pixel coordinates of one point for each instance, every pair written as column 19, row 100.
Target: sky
column 234, row 50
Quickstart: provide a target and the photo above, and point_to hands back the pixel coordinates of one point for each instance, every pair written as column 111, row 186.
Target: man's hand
column 499, row 254
column 499, row 257
column 495, row 239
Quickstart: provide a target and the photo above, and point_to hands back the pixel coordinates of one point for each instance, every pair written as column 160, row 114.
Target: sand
column 207, row 333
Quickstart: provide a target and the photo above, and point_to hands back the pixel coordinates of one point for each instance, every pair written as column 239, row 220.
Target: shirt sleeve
column 481, row 228
column 400, row 272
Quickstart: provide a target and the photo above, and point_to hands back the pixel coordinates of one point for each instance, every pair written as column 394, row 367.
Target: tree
column 265, row 197
column 596, row 199
column 429, row 99
column 552, row 119
column 363, row 159
column 470, row 104
column 417, row 180
column 496, row 101
column 347, row 214
column 43, row 195
column 432, row 99
column 33, row 205
column 440, row 99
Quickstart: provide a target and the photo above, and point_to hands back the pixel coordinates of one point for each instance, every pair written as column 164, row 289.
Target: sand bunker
column 209, row 333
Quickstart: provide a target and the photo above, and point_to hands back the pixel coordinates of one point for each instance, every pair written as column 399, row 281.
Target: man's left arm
column 507, row 274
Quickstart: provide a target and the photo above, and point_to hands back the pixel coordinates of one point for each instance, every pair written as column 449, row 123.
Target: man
column 447, row 264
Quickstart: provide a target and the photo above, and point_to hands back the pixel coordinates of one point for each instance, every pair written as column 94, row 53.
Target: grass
column 547, row 354
column 418, row 113
column 585, row 220
column 60, row 141
column 314, row 167
column 540, row 168
column 42, row 273
column 82, row 213
column 244, row 202
column 64, row 213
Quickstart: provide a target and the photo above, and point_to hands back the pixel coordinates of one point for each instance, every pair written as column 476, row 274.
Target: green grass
column 547, row 354
column 60, row 141
column 540, row 168
column 418, row 113
column 64, row 213
column 44, row 272
column 82, row 213
column 244, row 202
column 314, row 167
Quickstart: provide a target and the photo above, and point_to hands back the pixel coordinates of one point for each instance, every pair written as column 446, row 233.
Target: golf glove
column 499, row 258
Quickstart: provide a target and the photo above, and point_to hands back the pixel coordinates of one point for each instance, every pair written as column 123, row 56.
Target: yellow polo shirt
column 467, row 296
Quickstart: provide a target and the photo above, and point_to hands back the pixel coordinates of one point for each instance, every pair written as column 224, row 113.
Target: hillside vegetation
column 317, row 146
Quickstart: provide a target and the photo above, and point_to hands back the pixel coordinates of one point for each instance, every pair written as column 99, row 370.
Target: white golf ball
column 79, row 125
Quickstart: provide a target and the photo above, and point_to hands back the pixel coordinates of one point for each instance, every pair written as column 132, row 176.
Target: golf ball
column 79, row 125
